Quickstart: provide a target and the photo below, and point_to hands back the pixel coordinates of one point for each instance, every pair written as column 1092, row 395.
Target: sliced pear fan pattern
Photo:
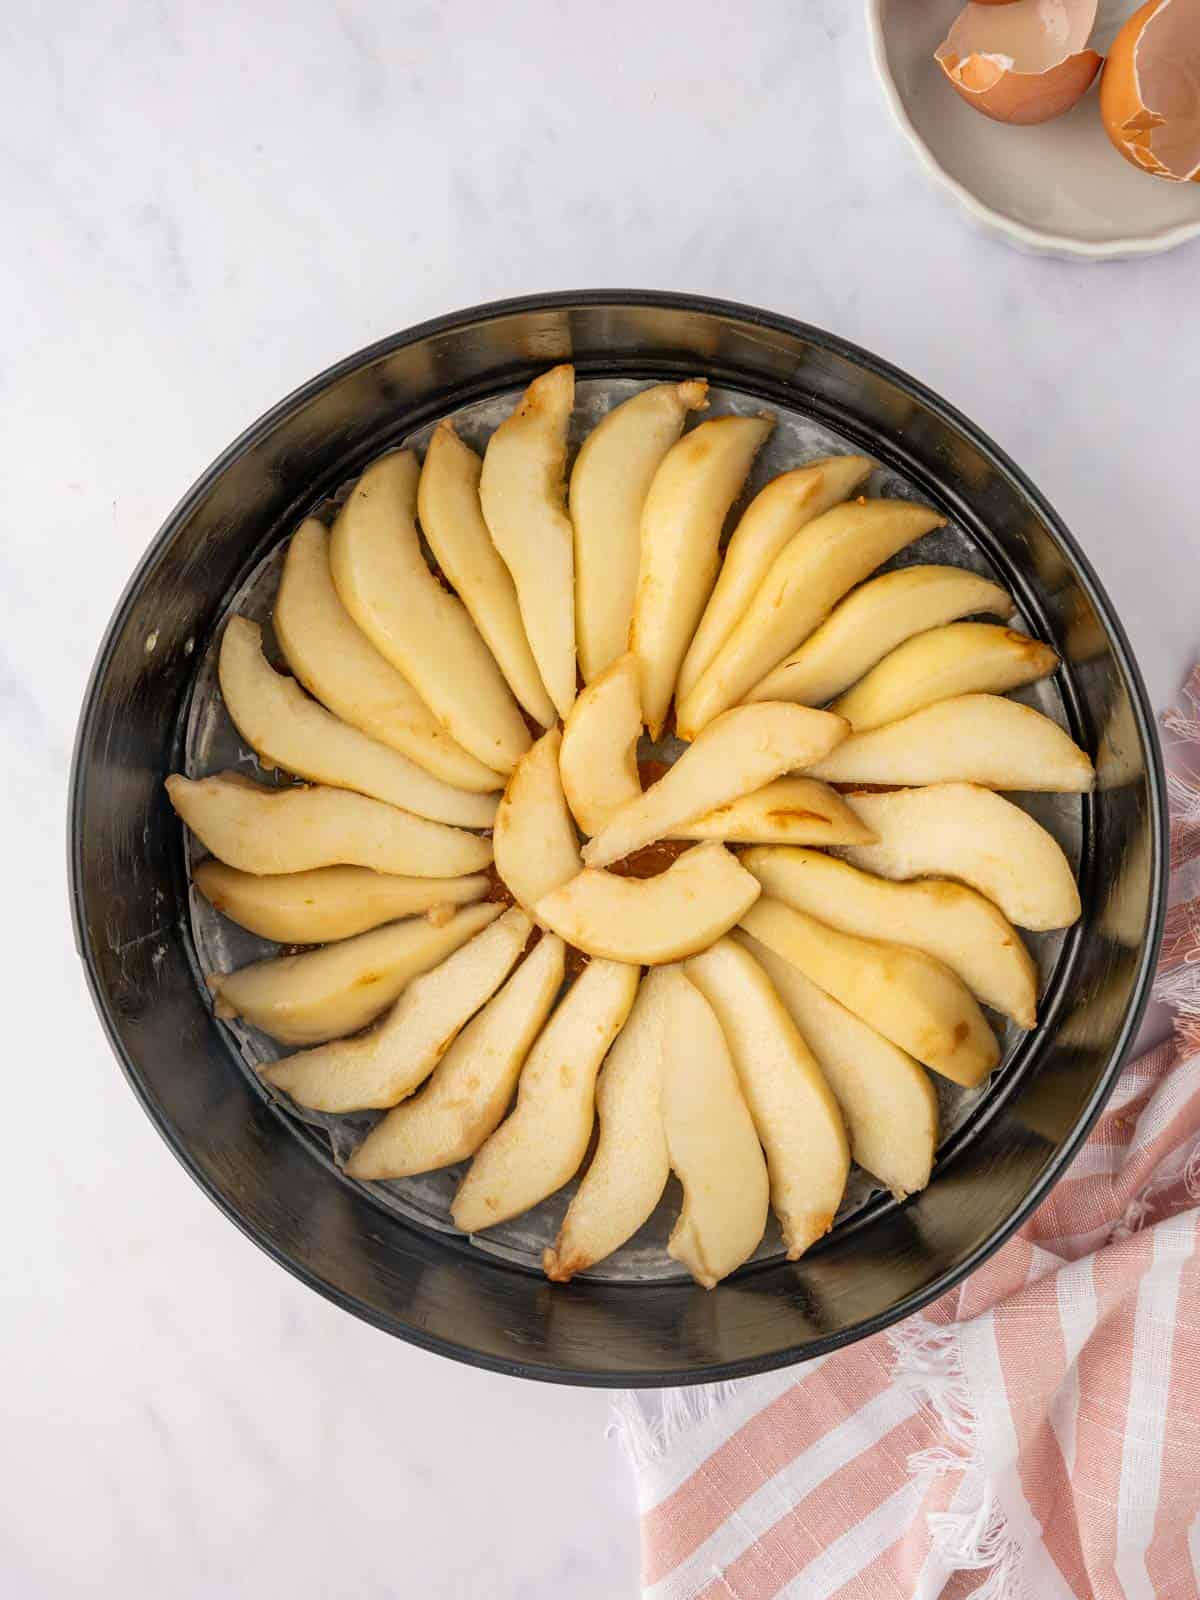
column 523, row 945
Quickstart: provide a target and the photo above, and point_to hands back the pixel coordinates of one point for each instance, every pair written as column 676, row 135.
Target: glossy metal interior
column 130, row 895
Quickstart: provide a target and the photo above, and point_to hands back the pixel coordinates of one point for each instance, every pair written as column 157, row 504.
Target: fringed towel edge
column 974, row 1536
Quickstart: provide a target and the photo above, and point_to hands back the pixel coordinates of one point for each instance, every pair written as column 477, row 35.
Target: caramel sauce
column 575, row 962
column 651, row 859
column 651, row 770
column 498, row 892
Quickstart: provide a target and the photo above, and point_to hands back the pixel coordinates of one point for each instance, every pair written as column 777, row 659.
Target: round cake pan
column 274, row 1176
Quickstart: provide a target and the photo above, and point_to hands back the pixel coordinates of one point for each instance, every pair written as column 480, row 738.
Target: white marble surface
column 203, row 205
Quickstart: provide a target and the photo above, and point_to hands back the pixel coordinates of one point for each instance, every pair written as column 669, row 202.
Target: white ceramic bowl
column 1058, row 189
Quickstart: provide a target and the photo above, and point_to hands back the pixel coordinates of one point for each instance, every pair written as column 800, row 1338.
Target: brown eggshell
column 1021, row 65
column 1021, row 97
column 1146, row 44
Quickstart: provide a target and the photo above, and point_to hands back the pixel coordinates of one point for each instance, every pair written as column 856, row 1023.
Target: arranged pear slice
column 794, row 1110
column 286, row 729
column 946, row 920
column 381, row 1067
column 652, row 920
column 541, row 1145
column 682, row 519
column 598, row 765
column 959, row 830
column 598, row 759
column 629, row 1171
column 338, row 664
column 711, row 1141
column 788, row 811
column 741, row 751
column 471, row 1086
column 974, row 738
column 383, row 582
column 534, row 837
column 325, row 994
column 961, row 658
column 609, row 483
column 771, row 521
column 887, row 1099
column 909, row 997
column 452, row 521
column 328, row 902
column 873, row 619
column 522, row 491
column 804, row 582
column 263, row 830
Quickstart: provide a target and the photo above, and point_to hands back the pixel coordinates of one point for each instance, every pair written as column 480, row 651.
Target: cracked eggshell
column 1150, row 91
column 1023, row 62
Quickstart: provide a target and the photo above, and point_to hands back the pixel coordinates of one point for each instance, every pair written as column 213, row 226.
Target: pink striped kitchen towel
column 1034, row 1433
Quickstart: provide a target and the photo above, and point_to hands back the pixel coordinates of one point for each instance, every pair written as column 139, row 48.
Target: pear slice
column 788, row 811
column 471, row 1086
column 598, row 759
column 804, row 582
column 328, row 902
column 682, row 519
column 629, row 1171
column 325, row 994
column 599, row 770
column 534, row 838
column 381, row 1067
column 946, row 920
column 771, row 521
column 887, row 1098
column 286, row 729
column 541, row 1145
column 522, row 491
column 452, row 521
column 339, row 666
column 263, row 830
column 383, row 582
column 609, row 484
column 909, row 997
column 794, row 1110
column 741, row 751
column 961, row 658
column 959, row 830
column 873, row 619
column 652, row 920
column 711, row 1141
column 974, row 738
